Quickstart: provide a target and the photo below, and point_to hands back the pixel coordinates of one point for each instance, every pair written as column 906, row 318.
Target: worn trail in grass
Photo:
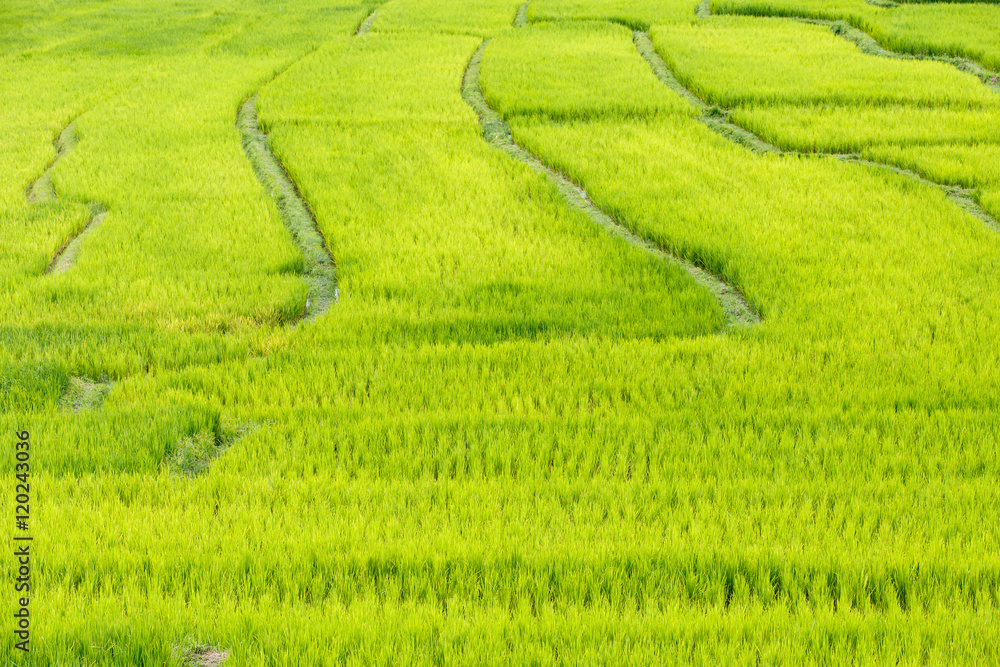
column 320, row 269
column 512, row 440
column 42, row 190
column 365, row 26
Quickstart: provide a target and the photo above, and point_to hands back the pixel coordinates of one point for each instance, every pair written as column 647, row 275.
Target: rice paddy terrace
column 556, row 332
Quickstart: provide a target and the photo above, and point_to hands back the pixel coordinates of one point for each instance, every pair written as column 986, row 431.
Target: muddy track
column 496, row 132
column 870, row 46
column 365, row 26
column 717, row 119
column 41, row 190
column 321, row 271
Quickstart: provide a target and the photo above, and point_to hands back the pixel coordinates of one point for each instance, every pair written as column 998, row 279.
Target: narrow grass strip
column 868, row 45
column 64, row 258
column 735, row 308
column 41, row 190
column 365, row 26
column 521, row 17
column 321, row 271
column 717, row 119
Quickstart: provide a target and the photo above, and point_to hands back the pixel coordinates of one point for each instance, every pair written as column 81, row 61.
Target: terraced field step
column 84, row 394
column 496, row 131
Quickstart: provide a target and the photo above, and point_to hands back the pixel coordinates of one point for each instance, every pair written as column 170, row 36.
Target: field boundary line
column 41, row 190
column 737, row 311
column 321, row 270
column 717, row 119
column 296, row 214
column 365, row 26
column 521, row 17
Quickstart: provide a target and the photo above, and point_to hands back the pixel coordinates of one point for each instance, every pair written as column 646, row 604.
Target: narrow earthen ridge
column 321, row 270
column 365, row 26
column 67, row 254
column 42, row 190
column 521, row 17
column 717, row 119
column 735, row 308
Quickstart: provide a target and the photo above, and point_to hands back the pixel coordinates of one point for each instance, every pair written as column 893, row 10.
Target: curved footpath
column 521, row 17
column 42, row 190
column 321, row 270
column 365, row 26
column 734, row 306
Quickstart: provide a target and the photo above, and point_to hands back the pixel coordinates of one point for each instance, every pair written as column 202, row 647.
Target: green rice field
column 493, row 332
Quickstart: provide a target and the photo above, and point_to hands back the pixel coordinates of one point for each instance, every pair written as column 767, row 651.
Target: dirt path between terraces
column 42, row 190
column 321, row 269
